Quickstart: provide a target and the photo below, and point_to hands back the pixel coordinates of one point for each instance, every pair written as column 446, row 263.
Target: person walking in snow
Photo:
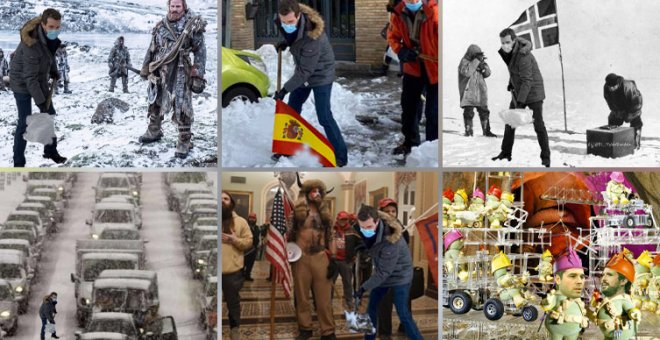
column 625, row 103
column 118, row 62
column 63, row 69
column 4, row 70
column 32, row 66
column 303, row 30
column 472, row 72
column 47, row 313
column 526, row 84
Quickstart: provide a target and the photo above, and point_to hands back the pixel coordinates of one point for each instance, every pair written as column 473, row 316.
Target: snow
column 113, row 145
column 593, row 45
column 247, row 128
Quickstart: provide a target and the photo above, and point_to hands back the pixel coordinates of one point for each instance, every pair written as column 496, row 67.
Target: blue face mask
column 289, row 28
column 52, row 35
column 414, row 7
column 368, row 233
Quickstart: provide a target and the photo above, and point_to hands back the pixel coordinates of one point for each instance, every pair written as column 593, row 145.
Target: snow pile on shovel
column 516, row 117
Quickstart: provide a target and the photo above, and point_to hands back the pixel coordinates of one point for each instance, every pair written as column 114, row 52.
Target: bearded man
column 236, row 239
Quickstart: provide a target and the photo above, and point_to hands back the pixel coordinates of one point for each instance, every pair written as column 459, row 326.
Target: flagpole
column 272, row 304
column 561, row 62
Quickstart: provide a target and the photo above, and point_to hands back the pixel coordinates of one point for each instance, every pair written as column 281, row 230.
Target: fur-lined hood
column 396, row 229
column 30, row 31
column 317, row 26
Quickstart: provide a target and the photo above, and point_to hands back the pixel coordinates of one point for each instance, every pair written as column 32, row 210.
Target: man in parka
column 625, row 103
column 32, row 66
column 63, row 69
column 172, row 75
column 303, row 30
column 526, row 84
column 47, row 313
column 413, row 36
column 118, row 62
column 474, row 93
column 4, row 70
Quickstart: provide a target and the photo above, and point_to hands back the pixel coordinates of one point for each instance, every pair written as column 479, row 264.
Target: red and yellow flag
column 291, row 132
column 428, row 233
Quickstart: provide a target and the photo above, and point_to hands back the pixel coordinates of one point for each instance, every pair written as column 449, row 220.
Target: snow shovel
column 516, row 117
column 41, row 126
column 359, row 322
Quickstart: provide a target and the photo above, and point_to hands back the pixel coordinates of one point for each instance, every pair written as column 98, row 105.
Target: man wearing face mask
column 236, row 239
column 303, row 30
column 413, row 36
column 526, row 86
column 392, row 263
column 32, row 66
column 172, row 75
column 4, row 70
column 47, row 313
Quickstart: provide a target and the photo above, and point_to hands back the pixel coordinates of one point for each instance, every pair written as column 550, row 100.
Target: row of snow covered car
column 116, row 296
column 191, row 195
column 22, row 236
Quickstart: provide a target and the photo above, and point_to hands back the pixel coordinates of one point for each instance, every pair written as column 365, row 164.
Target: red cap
column 449, row 194
column 385, row 202
column 252, row 215
column 495, row 191
column 343, row 215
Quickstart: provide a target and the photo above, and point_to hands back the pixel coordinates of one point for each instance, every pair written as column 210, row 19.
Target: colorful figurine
column 616, row 191
column 492, row 204
column 512, row 287
column 460, row 200
column 477, row 206
column 447, row 198
column 453, row 242
column 545, row 267
column 614, row 312
column 642, row 278
column 566, row 312
column 654, row 287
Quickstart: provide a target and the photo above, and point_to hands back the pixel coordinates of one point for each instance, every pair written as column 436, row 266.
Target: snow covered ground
column 598, row 37
column 112, row 145
column 177, row 289
column 247, row 128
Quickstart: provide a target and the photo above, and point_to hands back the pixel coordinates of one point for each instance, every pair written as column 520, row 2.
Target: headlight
column 60, row 188
column 5, row 314
column 197, row 270
column 19, row 289
column 94, row 236
column 135, row 193
column 200, row 261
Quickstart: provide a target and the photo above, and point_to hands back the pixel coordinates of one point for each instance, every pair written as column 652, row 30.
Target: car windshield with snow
column 8, row 308
column 12, row 269
column 133, row 296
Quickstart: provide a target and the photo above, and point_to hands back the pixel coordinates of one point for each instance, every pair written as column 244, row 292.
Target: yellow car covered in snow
column 243, row 76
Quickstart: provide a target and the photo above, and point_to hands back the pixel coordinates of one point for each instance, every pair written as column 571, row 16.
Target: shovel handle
column 279, row 69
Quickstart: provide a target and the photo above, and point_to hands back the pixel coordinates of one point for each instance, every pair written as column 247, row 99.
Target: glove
column 55, row 75
column 358, row 293
column 42, row 107
column 509, row 87
column 144, row 73
column 333, row 269
column 520, row 105
column 280, row 94
column 407, row 55
column 281, row 46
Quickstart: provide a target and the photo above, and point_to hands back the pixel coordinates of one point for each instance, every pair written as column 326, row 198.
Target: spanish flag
column 428, row 234
column 291, row 132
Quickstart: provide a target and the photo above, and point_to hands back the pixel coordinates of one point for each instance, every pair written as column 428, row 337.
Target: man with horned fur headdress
column 311, row 230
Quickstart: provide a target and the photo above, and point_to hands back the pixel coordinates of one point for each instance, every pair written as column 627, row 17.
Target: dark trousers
column 385, row 313
column 346, row 272
column 468, row 112
column 231, row 286
column 322, row 96
column 412, row 90
column 43, row 329
column 250, row 257
column 400, row 298
column 539, row 128
column 24, row 105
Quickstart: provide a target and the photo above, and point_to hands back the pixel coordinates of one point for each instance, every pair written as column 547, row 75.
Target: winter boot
column 154, row 132
column 304, row 334
column 485, row 127
column 638, row 138
column 54, row 336
column 50, row 152
column 468, row 127
column 403, row 149
column 184, row 144
column 66, row 88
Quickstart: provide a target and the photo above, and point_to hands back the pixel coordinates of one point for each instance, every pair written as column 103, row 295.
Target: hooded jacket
column 119, row 58
column 525, row 76
column 232, row 254
column 390, row 256
column 33, row 63
column 311, row 51
column 398, row 37
column 47, row 310
column 474, row 92
column 626, row 101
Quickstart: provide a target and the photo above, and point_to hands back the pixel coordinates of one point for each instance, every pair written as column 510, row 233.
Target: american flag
column 276, row 244
column 538, row 24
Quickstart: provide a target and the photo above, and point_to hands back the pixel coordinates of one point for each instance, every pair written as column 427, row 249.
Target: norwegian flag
column 276, row 244
column 539, row 24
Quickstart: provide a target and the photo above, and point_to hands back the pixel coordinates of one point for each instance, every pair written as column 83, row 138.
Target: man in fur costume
column 311, row 230
column 172, row 75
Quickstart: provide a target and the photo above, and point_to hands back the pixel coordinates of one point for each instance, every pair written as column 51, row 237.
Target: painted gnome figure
column 477, row 206
column 447, row 198
column 492, row 204
column 614, row 312
column 453, row 242
column 545, row 267
column 512, row 287
column 642, row 278
column 616, row 191
column 500, row 215
column 460, row 200
column 566, row 312
column 654, row 287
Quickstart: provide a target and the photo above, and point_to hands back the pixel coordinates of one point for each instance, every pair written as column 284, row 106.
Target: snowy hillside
column 597, row 36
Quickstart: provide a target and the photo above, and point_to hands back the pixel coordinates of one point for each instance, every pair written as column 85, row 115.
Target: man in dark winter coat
column 392, row 263
column 118, row 62
column 472, row 72
column 31, row 67
column 303, row 30
column 625, row 103
column 47, row 313
column 526, row 84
